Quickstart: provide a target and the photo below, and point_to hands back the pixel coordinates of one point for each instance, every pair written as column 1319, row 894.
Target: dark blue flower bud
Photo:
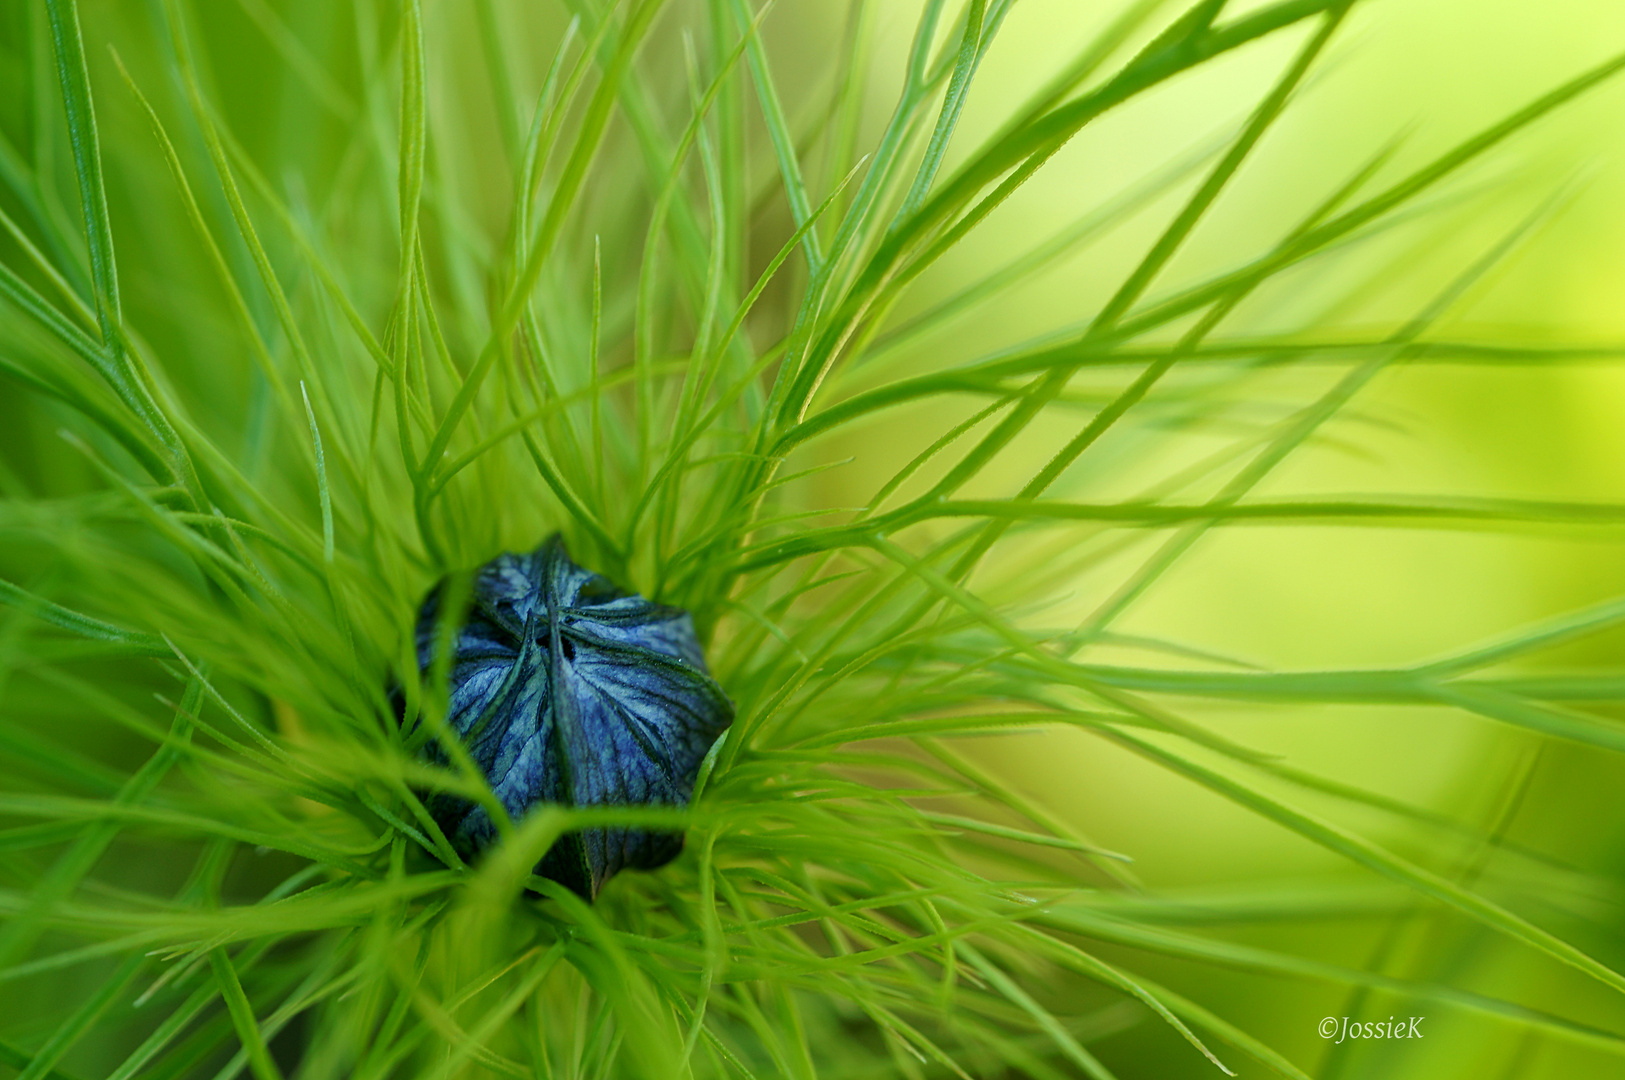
column 568, row 690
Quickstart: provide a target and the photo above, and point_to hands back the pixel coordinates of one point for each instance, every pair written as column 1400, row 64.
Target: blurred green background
column 1309, row 598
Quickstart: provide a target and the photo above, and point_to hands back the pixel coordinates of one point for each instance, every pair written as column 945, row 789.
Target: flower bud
column 567, row 690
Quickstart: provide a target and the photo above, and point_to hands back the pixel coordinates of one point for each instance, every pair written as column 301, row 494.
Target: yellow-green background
column 1312, row 598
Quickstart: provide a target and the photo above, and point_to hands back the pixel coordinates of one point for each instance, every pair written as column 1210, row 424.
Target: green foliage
column 476, row 273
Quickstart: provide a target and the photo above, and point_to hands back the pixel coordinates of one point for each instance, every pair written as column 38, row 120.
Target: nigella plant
column 568, row 690
column 968, row 369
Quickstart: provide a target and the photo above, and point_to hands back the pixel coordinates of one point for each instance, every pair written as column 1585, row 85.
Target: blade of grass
column 1370, row 855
